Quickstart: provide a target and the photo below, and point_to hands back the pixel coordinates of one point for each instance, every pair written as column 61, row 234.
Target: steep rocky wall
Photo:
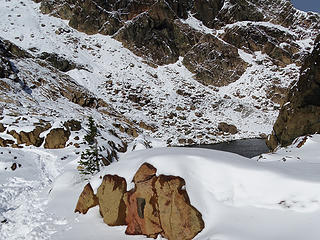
column 158, row 35
column 301, row 114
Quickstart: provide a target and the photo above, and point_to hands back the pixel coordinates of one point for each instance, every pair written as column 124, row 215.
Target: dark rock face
column 80, row 96
column 2, row 127
column 90, row 18
column 58, row 62
column 5, row 142
column 214, row 62
column 10, row 50
column 105, row 17
column 7, row 68
column 206, row 11
column 265, row 39
column 301, row 115
column 73, row 125
column 87, row 16
column 157, row 205
column 240, row 10
column 157, row 36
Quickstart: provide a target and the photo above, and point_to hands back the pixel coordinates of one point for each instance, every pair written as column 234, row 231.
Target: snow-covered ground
column 113, row 73
column 272, row 196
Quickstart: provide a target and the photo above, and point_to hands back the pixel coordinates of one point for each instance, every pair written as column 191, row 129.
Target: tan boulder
column 57, row 138
column 141, row 202
column 110, row 196
column 145, row 172
column 86, row 200
column 227, row 128
column 179, row 219
column 157, row 205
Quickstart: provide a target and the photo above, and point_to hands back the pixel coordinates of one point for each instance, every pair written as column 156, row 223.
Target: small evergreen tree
column 90, row 158
column 92, row 132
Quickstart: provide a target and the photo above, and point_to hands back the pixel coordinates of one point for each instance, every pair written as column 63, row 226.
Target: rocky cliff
column 301, row 114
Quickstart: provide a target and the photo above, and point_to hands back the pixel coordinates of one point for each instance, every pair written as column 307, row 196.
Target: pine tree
column 92, row 132
column 90, row 158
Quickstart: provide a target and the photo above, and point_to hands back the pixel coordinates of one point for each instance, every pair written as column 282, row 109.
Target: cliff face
column 301, row 114
column 153, row 29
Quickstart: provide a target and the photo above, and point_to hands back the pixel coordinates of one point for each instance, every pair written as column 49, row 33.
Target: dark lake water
column 244, row 147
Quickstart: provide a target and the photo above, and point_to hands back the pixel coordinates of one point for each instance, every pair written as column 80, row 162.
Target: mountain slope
column 154, row 74
column 246, row 85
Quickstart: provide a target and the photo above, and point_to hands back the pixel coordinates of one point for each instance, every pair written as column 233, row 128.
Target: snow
column 197, row 24
column 240, row 199
column 264, row 24
column 272, row 196
column 112, row 72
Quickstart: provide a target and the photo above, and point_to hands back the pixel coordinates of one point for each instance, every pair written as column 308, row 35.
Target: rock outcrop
column 58, row 62
column 2, row 127
column 141, row 202
column 31, row 138
column 269, row 40
column 111, row 203
column 227, row 128
column 156, row 205
column 179, row 219
column 86, row 200
column 301, row 114
column 239, row 10
column 158, row 35
column 5, row 142
column 214, row 62
column 206, row 11
column 7, row 52
column 73, row 125
column 57, row 138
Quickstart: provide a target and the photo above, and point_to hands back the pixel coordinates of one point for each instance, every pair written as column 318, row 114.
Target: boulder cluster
column 55, row 138
column 156, row 205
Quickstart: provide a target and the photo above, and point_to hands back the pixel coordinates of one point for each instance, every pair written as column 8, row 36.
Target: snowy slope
column 113, row 74
column 272, row 196
column 239, row 198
